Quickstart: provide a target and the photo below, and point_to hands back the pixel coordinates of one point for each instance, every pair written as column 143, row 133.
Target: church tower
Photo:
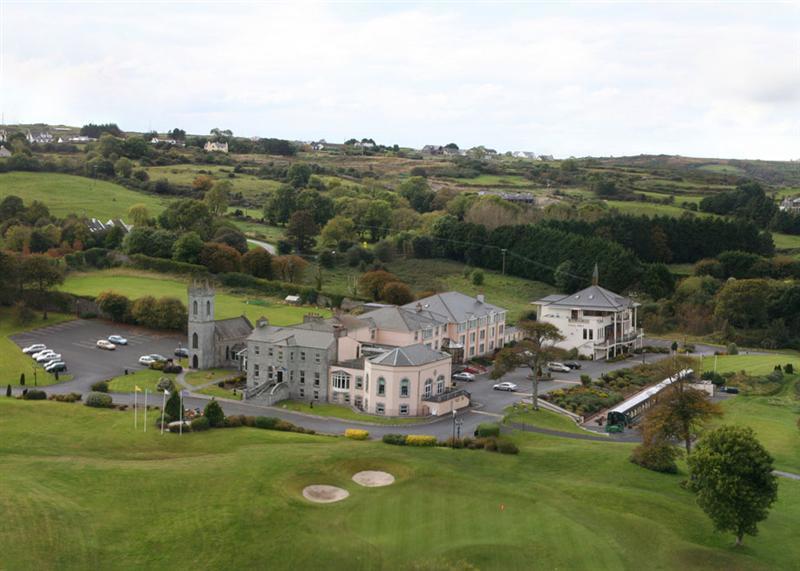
column 202, row 350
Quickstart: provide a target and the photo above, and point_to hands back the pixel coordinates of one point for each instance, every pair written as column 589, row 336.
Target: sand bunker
column 324, row 494
column 373, row 478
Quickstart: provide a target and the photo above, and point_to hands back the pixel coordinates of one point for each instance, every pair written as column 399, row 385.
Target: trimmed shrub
column 396, row 439
column 234, row 421
column 285, row 426
column 490, row 444
column 477, row 444
column 98, row 400
column 420, row 440
column 659, row 457
column 265, row 422
column 586, row 380
column 356, row 434
column 487, row 429
column 34, row 394
column 505, row 446
column 165, row 384
column 100, row 387
column 172, row 368
column 69, row 397
column 733, row 349
column 789, row 368
column 200, row 423
column 249, row 421
column 213, row 412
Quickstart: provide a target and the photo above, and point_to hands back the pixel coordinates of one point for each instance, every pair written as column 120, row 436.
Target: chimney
column 419, row 307
column 480, row 298
column 262, row 322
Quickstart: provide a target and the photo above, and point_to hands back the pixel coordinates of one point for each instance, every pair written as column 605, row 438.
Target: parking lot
column 76, row 341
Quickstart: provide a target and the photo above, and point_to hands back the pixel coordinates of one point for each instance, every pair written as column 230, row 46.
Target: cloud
column 562, row 79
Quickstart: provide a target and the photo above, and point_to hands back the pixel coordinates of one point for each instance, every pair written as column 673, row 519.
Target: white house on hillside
column 597, row 322
column 215, row 147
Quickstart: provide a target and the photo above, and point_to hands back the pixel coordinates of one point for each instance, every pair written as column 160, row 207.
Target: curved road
column 268, row 247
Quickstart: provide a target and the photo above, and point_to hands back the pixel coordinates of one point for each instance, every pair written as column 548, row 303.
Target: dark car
column 572, row 364
column 181, row 352
column 731, row 390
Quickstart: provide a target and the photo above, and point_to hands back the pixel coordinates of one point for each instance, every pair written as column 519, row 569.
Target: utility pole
column 504, row 260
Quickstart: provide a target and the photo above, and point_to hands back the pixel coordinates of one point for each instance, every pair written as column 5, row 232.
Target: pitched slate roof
column 456, row 306
column 293, row 336
column 411, row 356
column 593, row 297
column 233, row 328
column 403, row 319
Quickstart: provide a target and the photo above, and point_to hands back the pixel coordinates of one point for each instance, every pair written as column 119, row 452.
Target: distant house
column 81, row 139
column 523, row 155
column 518, row 197
column 96, row 225
column 4, row 152
column 318, row 146
column 292, row 299
column 41, row 137
column 3, row 135
column 433, row 149
column 215, row 147
column 364, row 144
column 791, row 204
column 546, row 157
column 156, row 141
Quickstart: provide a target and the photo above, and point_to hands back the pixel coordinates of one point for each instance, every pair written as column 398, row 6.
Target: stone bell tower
column 202, row 349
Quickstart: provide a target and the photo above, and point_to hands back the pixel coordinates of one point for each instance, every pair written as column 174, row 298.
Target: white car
column 35, row 348
column 505, row 386
column 48, row 357
column 146, row 360
column 159, row 358
column 46, row 352
column 107, row 345
column 117, row 339
column 558, row 367
column 56, row 367
column 468, row 377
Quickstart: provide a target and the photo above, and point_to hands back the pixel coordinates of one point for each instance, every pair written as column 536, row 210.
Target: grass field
column 343, row 412
column 13, row 361
column 82, row 489
column 542, row 419
column 260, row 231
column 220, row 393
column 136, row 284
column 753, row 364
column 648, row 208
column 493, row 180
column 786, row 241
column 144, row 379
column 198, row 378
column 251, row 187
column 65, row 194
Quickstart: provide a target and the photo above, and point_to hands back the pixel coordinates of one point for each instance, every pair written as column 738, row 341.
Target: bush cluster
column 34, row 394
column 200, row 423
column 659, row 457
column 98, row 400
column 69, row 397
column 100, row 387
column 486, row 429
column 421, row 440
column 271, row 423
column 396, row 439
column 356, row 434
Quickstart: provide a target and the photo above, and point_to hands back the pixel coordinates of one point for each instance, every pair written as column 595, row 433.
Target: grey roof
column 402, row 319
column 456, row 306
column 411, row 356
column 293, row 336
column 593, row 297
column 233, row 328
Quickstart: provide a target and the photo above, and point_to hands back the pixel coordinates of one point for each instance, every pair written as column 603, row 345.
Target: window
column 257, row 349
column 472, row 337
column 316, row 378
column 482, row 321
column 427, row 333
column 359, row 382
column 471, row 351
column 316, row 395
column 256, row 372
column 346, row 397
column 291, row 376
column 381, row 387
column 491, row 345
column 416, row 335
column 483, row 334
column 372, row 334
column 194, row 307
column 302, row 355
column 462, row 339
column 588, row 334
column 302, row 377
column 269, row 372
column 341, row 380
column 302, row 393
column 316, row 357
column 227, row 352
column 403, row 410
column 405, row 388
column 291, row 356
column 499, row 329
column 379, row 408
column 440, row 385
column 473, row 323
column 194, row 340
column 462, row 327
column 428, row 388
column 269, row 352
column 480, row 349
column 208, row 308
column 280, row 355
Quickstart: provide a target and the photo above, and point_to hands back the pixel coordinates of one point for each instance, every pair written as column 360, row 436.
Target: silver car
column 505, row 386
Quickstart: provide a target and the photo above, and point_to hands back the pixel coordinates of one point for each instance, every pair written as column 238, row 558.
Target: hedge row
column 490, row 444
column 163, row 265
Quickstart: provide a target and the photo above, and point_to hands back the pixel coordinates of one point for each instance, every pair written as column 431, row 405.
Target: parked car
column 44, row 352
column 146, row 360
column 464, row 376
column 105, row 344
column 117, row 339
column 47, row 357
column 731, row 390
column 56, row 367
column 558, row 367
column 181, row 352
column 35, row 348
column 572, row 364
column 49, row 362
column 160, row 358
column 505, row 386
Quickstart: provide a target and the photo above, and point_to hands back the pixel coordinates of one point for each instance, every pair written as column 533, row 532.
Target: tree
column 384, row 251
column 42, row 273
column 218, row 197
column 144, row 311
column 289, row 268
column 139, row 215
column 187, row 248
column 731, row 473
column 338, row 229
column 477, row 278
column 743, row 303
column 280, row 204
column 172, row 409
column 213, row 412
column 371, row 284
column 680, row 413
column 258, row 263
column 565, row 277
column 11, row 207
column 114, row 304
column 302, row 229
column 202, row 183
column 319, row 205
column 397, row 293
column 298, row 175
column 219, row 258
column 123, row 167
column 418, row 193
column 187, row 214
column 536, row 348
column 657, row 281
column 377, row 218
column 170, row 314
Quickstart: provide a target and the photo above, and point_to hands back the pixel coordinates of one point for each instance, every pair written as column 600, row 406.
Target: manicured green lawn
column 786, row 241
column 753, row 364
column 649, row 208
column 542, row 419
column 198, row 378
column 134, row 284
column 64, row 194
column 82, row 490
column 13, row 361
column 144, row 379
column 344, row 412
column 221, row 393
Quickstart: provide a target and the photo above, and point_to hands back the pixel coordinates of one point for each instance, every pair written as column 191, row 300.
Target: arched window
column 194, row 307
column 428, row 388
column 381, row 387
column 440, row 385
column 194, row 340
column 208, row 309
column 405, row 388
column 227, row 353
column 340, row 380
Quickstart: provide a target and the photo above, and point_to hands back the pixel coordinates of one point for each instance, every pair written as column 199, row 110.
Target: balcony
column 632, row 335
column 447, row 395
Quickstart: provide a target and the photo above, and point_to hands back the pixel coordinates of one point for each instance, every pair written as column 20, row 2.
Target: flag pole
column 145, row 410
column 180, row 400
column 135, row 418
column 163, row 411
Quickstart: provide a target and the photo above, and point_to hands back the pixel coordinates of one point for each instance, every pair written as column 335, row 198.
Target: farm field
column 649, row 208
column 493, row 180
column 82, row 488
column 260, row 231
column 251, row 187
column 135, row 284
column 13, row 361
column 786, row 241
column 68, row 194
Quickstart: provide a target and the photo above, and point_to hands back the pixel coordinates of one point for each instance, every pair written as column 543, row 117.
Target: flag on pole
column 135, row 417
column 137, row 388
column 145, row 410
column 163, row 409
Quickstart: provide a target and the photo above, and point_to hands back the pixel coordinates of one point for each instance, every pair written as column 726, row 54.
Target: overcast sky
column 710, row 80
